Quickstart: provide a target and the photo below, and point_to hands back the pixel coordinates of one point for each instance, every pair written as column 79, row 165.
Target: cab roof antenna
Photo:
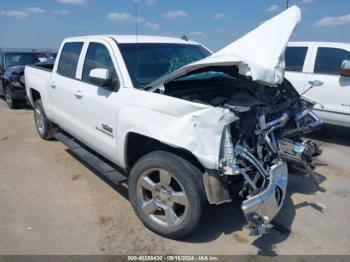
column 136, row 44
column 184, row 38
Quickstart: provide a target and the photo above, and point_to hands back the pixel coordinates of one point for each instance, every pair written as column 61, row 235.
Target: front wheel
column 44, row 126
column 10, row 101
column 167, row 194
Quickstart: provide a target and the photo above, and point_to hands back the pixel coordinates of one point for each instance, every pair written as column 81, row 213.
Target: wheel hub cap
column 39, row 120
column 162, row 197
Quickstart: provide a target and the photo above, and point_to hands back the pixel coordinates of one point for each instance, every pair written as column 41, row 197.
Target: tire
column 171, row 207
column 45, row 128
column 2, row 91
column 11, row 102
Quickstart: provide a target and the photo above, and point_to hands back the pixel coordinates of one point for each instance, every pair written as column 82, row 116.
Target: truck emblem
column 107, row 130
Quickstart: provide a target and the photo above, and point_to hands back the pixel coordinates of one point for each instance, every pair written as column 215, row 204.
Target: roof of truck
column 140, row 39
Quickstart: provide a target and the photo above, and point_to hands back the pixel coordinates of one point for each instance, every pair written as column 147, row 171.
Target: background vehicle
column 12, row 62
column 185, row 126
column 52, row 55
column 319, row 64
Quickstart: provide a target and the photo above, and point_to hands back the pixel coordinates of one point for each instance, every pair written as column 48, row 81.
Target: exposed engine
column 257, row 146
column 275, row 128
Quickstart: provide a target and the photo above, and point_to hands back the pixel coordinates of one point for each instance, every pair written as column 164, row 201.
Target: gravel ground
column 50, row 203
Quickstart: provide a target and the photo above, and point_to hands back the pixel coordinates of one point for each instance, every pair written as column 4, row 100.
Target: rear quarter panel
column 39, row 80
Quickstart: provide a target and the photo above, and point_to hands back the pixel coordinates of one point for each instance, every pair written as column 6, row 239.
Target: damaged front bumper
column 260, row 209
column 267, row 184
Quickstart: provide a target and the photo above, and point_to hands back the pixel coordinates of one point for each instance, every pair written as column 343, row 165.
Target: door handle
column 78, row 94
column 53, row 84
column 316, row 83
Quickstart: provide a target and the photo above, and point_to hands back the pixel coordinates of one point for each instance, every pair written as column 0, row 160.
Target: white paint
column 182, row 124
column 333, row 97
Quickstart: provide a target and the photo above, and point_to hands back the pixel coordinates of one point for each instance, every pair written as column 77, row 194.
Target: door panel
column 295, row 58
column 297, row 79
column 95, row 111
column 62, row 86
column 95, row 106
column 334, row 93
column 61, row 92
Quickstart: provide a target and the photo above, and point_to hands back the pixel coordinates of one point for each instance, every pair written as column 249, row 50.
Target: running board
column 93, row 161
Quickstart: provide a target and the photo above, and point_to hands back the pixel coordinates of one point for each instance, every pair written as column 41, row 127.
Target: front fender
column 177, row 123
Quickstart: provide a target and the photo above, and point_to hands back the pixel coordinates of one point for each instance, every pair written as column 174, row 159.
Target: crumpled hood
column 258, row 54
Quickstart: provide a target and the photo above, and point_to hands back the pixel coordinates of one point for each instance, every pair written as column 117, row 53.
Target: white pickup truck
column 184, row 126
column 326, row 67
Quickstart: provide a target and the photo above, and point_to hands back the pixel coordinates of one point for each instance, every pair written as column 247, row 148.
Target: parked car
column 12, row 62
column 183, row 126
column 52, row 55
column 47, row 55
column 326, row 67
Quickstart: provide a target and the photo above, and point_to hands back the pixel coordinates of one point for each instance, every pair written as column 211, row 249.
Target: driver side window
column 329, row 60
column 98, row 56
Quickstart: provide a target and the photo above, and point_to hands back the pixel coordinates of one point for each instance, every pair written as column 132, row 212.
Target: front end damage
column 260, row 209
column 270, row 118
column 258, row 147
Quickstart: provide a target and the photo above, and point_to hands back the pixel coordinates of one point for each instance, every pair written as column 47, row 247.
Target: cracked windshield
column 157, row 60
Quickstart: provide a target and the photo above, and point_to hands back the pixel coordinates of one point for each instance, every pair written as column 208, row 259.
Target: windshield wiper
column 160, row 87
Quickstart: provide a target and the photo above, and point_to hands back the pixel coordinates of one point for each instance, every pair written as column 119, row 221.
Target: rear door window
column 329, row 60
column 295, row 58
column 69, row 59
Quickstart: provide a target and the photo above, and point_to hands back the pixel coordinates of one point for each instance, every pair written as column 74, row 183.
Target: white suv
column 325, row 66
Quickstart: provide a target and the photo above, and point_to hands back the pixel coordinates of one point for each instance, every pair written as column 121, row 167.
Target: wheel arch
column 34, row 95
column 138, row 145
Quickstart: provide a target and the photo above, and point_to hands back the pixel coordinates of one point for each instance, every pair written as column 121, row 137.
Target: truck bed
column 43, row 66
column 37, row 78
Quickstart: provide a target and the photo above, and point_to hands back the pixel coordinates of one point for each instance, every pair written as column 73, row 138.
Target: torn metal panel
column 260, row 209
column 176, row 122
column 263, row 62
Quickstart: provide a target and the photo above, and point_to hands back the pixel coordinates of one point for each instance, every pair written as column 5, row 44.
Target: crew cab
column 184, row 126
column 324, row 66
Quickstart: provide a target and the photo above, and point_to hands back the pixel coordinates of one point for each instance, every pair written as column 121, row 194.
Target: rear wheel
column 44, row 126
column 167, row 194
column 10, row 101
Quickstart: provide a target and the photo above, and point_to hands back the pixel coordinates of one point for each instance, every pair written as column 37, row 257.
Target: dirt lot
column 50, row 203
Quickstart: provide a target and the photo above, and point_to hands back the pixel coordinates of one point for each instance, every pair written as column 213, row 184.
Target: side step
column 92, row 160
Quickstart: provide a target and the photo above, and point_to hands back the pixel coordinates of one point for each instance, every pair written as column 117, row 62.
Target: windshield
column 156, row 60
column 17, row 59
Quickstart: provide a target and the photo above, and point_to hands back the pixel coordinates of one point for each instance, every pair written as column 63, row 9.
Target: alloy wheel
column 162, row 197
column 39, row 120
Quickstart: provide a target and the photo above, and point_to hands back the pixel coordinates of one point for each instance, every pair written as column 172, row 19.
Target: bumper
column 260, row 209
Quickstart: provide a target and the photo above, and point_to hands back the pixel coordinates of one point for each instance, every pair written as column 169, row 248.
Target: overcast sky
column 44, row 23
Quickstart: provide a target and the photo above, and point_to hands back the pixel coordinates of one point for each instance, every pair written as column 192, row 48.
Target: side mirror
column 345, row 68
column 100, row 77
